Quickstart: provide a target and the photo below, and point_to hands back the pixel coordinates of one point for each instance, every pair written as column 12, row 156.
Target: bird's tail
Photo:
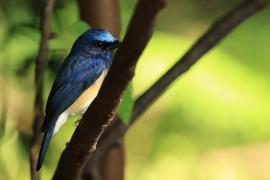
column 44, row 146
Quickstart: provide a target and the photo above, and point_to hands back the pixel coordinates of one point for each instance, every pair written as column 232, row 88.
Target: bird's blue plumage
column 71, row 82
column 45, row 143
column 91, row 55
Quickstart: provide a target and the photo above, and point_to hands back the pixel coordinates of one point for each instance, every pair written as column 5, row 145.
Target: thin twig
column 4, row 110
column 103, row 108
column 220, row 28
column 39, row 73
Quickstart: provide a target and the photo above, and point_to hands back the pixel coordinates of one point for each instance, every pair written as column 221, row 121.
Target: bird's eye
column 100, row 44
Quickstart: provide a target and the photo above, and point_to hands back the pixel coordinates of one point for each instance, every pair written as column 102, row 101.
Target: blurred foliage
column 199, row 129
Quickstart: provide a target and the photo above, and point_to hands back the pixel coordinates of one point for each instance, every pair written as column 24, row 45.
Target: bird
column 77, row 82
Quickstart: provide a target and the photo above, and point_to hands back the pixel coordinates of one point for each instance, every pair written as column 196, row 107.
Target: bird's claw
column 76, row 123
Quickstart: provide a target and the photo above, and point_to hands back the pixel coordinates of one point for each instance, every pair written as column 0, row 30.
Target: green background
column 212, row 122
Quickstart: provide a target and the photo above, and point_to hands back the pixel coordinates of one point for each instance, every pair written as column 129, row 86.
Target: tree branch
column 39, row 73
column 113, row 136
column 4, row 110
column 103, row 108
column 101, row 14
column 104, row 14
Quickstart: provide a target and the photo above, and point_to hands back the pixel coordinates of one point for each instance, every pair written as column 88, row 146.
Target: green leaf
column 126, row 105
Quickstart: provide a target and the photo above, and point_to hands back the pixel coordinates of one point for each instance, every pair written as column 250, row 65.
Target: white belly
column 82, row 103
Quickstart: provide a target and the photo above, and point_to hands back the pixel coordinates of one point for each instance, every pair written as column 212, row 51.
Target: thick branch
column 114, row 134
column 87, row 134
column 104, row 14
column 39, row 73
column 101, row 14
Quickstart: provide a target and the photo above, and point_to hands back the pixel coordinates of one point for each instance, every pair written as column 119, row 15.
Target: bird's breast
column 86, row 98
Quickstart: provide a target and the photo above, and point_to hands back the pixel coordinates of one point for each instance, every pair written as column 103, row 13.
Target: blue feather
column 45, row 144
column 71, row 83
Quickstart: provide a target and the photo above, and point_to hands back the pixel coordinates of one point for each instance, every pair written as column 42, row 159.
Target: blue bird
column 77, row 82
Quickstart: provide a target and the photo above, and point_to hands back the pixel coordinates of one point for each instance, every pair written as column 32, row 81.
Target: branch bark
column 39, row 73
column 104, row 14
column 101, row 14
column 113, row 136
column 103, row 108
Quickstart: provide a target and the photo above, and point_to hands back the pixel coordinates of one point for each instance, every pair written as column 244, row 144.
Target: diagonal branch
column 103, row 108
column 104, row 14
column 39, row 73
column 220, row 28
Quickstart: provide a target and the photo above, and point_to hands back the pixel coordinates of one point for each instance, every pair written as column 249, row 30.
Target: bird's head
column 97, row 40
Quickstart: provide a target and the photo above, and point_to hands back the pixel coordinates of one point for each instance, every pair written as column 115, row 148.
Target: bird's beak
column 114, row 45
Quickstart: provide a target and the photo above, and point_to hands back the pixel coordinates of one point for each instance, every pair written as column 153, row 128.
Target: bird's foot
column 77, row 122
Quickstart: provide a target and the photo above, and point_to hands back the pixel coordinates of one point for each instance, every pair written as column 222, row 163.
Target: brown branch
column 4, row 109
column 87, row 134
column 39, row 73
column 101, row 14
column 114, row 134
column 104, row 14
column 211, row 38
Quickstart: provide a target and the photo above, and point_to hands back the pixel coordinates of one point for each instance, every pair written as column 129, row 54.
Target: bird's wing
column 74, row 77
